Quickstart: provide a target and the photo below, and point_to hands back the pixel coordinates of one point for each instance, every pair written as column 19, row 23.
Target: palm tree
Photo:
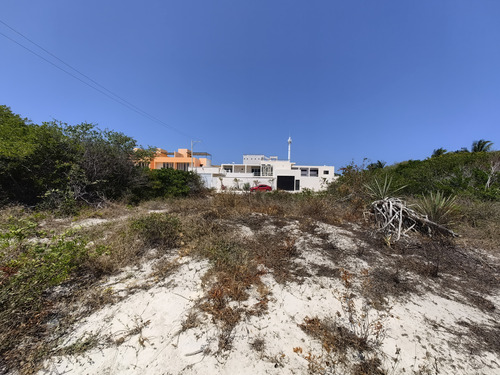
column 378, row 165
column 481, row 146
column 438, row 152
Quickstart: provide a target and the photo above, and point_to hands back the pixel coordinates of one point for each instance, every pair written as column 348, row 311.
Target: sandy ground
column 145, row 332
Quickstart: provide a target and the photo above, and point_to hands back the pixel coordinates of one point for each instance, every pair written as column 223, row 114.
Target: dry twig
column 393, row 216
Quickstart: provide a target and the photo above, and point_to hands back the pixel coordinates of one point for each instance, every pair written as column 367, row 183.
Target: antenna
column 289, row 146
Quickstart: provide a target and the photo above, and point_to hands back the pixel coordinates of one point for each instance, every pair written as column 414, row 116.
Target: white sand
column 142, row 334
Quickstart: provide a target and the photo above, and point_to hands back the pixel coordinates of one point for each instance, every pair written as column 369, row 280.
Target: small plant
column 158, row 230
column 28, row 269
column 225, row 253
column 237, row 183
column 381, row 191
column 437, row 207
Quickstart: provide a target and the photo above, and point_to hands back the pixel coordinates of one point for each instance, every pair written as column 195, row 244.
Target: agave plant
column 437, row 207
column 380, row 191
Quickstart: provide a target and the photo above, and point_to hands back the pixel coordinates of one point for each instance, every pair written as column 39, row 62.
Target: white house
column 279, row 174
column 258, row 169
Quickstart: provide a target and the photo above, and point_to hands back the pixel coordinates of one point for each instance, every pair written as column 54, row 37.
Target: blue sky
column 387, row 80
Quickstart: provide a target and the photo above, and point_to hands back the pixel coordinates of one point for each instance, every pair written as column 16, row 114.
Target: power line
column 108, row 93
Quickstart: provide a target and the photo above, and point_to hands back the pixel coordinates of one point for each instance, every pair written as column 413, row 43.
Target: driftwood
column 394, row 217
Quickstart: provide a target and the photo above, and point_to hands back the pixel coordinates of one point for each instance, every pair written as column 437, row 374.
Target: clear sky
column 388, row 80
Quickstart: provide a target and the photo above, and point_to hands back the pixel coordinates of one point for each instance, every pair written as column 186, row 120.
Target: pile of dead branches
column 394, row 218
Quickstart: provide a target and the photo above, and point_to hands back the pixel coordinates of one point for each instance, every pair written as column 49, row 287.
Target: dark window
column 326, row 172
column 256, row 171
column 313, row 172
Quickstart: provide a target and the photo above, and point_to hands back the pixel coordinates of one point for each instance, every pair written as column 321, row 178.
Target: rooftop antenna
column 289, row 146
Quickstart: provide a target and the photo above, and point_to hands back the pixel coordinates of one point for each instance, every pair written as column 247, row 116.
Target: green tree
column 56, row 164
column 481, row 146
column 33, row 160
column 438, row 152
column 378, row 165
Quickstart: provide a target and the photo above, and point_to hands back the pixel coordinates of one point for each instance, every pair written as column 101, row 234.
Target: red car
column 261, row 187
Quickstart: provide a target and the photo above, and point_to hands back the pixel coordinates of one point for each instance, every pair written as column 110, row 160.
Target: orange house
column 182, row 159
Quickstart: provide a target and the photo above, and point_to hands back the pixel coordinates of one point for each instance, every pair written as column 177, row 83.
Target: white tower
column 289, row 147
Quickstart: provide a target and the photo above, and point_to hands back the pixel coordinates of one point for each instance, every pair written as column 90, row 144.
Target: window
column 326, row 172
column 313, row 172
column 304, row 172
column 256, row 171
column 183, row 166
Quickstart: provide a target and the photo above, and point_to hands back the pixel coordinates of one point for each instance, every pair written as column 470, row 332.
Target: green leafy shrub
column 168, row 182
column 157, row 230
column 460, row 173
column 351, row 184
column 55, row 164
column 28, row 268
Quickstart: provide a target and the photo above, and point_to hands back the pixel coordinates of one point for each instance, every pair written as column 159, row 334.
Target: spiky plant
column 380, row 191
column 437, row 207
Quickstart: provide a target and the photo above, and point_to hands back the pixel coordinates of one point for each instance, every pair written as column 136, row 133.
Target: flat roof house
column 182, row 159
column 279, row 174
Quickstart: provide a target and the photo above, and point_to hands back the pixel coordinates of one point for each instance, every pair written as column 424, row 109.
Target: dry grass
column 480, row 225
column 210, row 228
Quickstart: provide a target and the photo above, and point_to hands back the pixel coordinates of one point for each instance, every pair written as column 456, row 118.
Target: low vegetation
column 86, row 210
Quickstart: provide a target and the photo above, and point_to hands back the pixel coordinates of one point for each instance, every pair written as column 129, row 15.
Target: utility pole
column 289, row 146
column 192, row 160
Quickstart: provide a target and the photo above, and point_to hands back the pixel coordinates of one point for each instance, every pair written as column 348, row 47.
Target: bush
column 157, row 230
column 168, row 183
column 29, row 266
column 54, row 163
column 453, row 174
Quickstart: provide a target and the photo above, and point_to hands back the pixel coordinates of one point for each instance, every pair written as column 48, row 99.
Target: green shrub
column 157, row 230
column 437, row 207
column 28, row 268
column 168, row 182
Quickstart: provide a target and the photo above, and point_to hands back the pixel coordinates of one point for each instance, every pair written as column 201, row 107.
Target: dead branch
column 394, row 217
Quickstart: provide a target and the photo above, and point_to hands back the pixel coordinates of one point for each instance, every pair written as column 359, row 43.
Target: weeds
column 28, row 270
column 157, row 230
column 350, row 334
column 210, row 228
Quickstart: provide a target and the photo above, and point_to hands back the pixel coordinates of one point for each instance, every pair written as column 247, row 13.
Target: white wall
column 220, row 178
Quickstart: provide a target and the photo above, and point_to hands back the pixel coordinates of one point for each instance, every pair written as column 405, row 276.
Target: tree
column 378, row 165
column 33, row 159
column 57, row 164
column 438, row 152
column 481, row 146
